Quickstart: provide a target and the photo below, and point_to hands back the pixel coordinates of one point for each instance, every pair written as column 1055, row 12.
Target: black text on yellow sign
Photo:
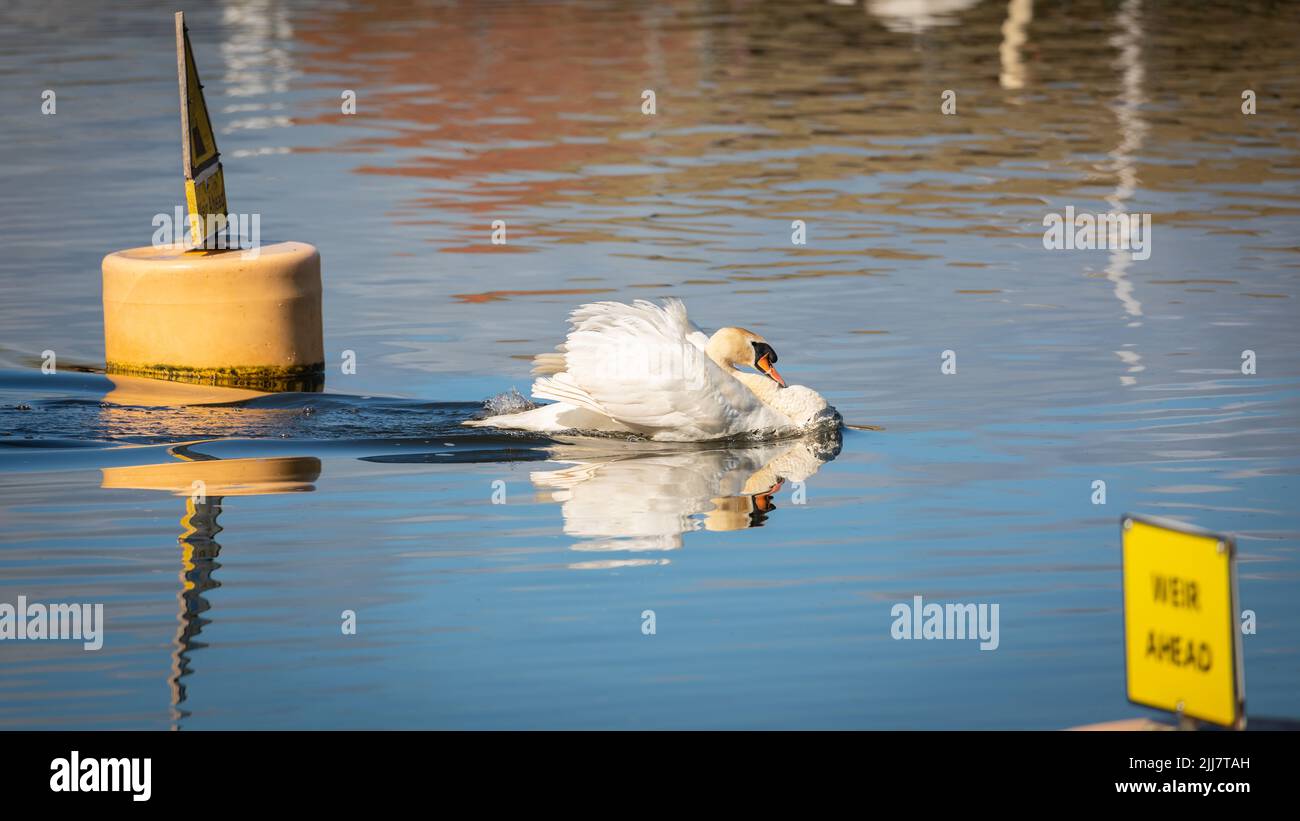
column 1182, row 645
column 205, row 185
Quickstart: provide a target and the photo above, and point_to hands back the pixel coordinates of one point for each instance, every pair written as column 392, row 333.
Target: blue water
column 770, row 609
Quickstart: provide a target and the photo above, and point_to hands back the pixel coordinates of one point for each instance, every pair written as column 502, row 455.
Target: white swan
column 646, row 369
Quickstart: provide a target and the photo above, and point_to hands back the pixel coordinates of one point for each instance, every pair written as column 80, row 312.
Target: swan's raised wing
column 553, row 362
column 644, row 366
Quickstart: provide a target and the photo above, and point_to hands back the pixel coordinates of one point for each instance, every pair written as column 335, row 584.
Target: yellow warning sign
column 205, row 185
column 1181, row 637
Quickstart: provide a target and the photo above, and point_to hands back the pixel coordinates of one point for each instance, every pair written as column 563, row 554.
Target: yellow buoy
column 216, row 318
column 239, row 317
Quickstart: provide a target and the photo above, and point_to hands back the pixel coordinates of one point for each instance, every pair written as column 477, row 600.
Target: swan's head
column 737, row 347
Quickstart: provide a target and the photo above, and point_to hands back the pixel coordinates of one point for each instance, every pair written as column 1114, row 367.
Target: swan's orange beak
column 764, row 364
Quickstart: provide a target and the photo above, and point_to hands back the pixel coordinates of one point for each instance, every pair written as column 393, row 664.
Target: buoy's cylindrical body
column 240, row 318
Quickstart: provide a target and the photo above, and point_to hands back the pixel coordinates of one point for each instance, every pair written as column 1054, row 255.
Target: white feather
column 644, row 368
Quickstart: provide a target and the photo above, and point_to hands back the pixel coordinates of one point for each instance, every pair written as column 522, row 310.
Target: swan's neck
column 719, row 359
column 761, row 386
column 796, row 403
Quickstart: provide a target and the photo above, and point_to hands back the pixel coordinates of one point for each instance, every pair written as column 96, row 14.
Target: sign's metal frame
column 1228, row 544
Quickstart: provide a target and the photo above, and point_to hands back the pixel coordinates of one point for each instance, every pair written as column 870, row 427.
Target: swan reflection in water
column 645, row 496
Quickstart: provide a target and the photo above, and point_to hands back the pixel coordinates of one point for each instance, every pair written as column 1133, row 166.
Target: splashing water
column 512, row 401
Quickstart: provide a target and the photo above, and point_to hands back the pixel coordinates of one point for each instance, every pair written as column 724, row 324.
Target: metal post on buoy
column 208, row 305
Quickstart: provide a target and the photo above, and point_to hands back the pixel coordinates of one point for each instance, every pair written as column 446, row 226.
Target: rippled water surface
column 500, row 581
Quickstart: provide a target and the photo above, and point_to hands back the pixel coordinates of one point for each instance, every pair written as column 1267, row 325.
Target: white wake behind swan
column 646, row 369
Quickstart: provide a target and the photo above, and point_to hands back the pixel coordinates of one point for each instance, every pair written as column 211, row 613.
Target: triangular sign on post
column 205, row 186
